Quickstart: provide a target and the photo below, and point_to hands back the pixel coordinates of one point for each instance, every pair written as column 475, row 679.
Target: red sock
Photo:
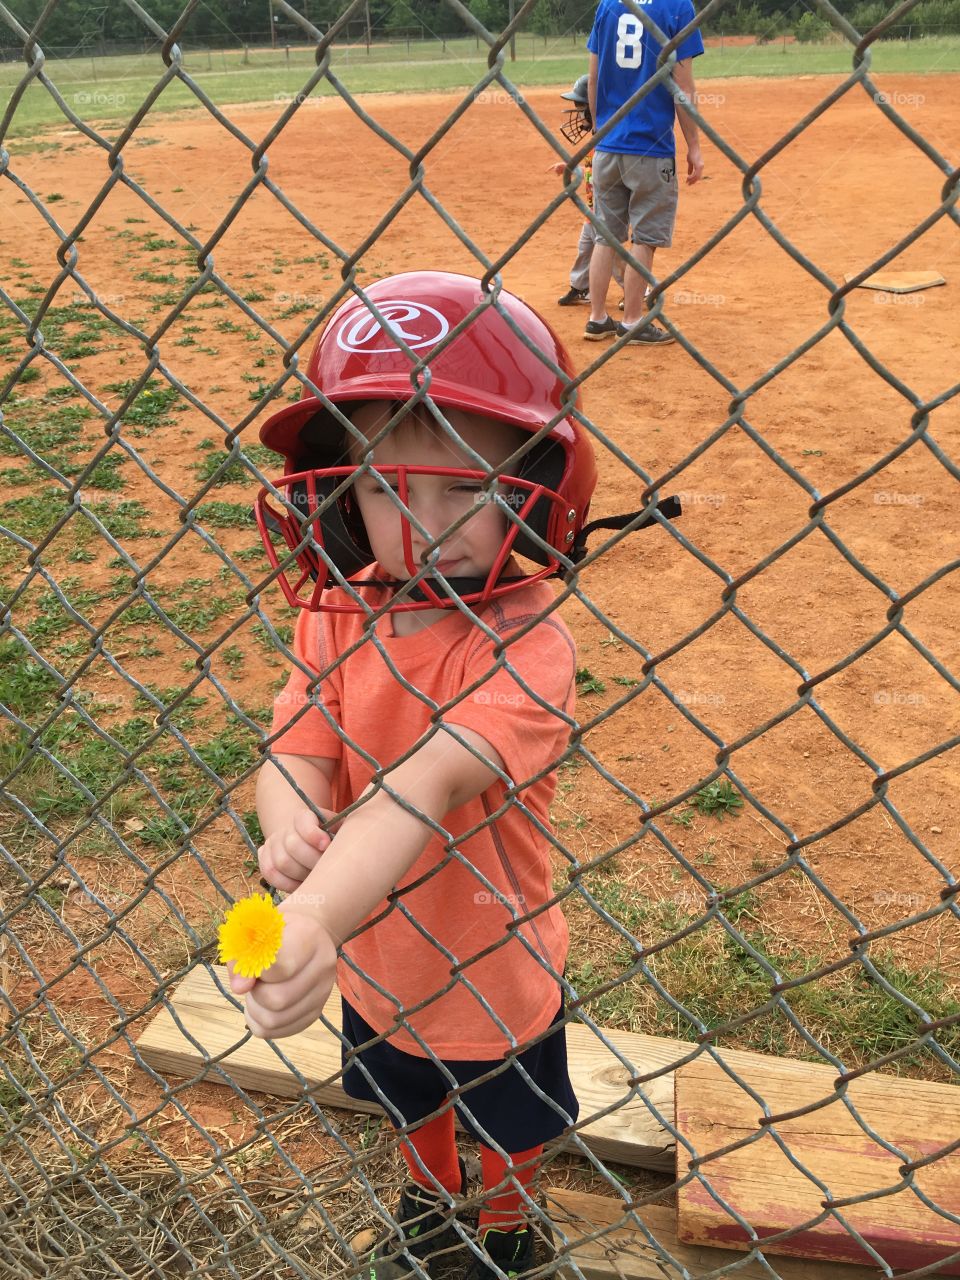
column 436, row 1146
column 506, row 1209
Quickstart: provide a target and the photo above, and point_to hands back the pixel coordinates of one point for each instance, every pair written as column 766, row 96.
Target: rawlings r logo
column 416, row 323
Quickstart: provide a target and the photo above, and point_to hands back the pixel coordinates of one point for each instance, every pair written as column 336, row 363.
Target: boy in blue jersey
column 634, row 170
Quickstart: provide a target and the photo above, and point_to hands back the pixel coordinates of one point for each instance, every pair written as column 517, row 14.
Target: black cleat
column 574, row 296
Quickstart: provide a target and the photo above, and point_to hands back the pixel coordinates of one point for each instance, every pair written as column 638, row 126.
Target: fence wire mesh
column 143, row 637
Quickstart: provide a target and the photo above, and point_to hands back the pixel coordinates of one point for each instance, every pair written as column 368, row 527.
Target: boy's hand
column 288, row 855
column 290, row 995
column 557, row 167
column 694, row 165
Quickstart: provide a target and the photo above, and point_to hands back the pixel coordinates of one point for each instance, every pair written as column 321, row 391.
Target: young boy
column 578, row 124
column 440, row 711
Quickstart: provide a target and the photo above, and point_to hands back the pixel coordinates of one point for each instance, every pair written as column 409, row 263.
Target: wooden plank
column 629, row 1134
column 762, row 1185
column 625, row 1253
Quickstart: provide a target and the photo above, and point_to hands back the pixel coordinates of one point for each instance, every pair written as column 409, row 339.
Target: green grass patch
column 211, row 463
column 587, row 682
column 23, row 682
column 717, row 799
column 124, row 519
column 52, row 432
column 154, row 404
column 74, row 330
column 125, row 80
column 33, row 515
column 226, row 515
column 268, row 462
column 193, row 606
column 716, row 979
column 68, row 768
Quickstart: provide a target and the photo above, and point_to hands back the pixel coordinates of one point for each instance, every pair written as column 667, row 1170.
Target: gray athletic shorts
column 636, row 196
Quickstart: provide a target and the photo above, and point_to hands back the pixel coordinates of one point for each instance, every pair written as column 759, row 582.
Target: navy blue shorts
column 505, row 1106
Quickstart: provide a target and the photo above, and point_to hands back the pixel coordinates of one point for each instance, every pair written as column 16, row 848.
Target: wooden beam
column 624, row 1252
column 771, row 1194
column 630, row 1134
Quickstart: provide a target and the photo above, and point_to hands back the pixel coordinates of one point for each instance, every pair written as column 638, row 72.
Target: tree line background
column 92, row 27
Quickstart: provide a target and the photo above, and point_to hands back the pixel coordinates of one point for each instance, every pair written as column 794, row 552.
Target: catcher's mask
column 487, row 369
column 578, row 123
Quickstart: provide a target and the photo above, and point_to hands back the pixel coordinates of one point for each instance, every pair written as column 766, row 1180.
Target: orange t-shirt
column 453, row 915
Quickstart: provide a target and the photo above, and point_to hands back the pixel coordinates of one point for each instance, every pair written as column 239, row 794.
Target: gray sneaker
column 651, row 335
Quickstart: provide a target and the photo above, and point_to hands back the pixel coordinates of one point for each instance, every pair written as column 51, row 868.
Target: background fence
column 755, row 826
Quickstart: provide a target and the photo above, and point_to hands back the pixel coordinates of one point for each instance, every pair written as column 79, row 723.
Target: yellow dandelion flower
column 250, row 935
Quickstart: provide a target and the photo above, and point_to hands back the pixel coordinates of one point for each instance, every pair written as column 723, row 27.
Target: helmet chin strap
column 668, row 508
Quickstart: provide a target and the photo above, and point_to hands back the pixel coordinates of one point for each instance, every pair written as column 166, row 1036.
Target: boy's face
column 436, row 501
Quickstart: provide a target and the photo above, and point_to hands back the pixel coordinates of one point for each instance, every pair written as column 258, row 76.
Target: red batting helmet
column 503, row 364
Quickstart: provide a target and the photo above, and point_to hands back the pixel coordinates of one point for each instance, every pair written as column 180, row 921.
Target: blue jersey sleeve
column 692, row 47
column 593, row 39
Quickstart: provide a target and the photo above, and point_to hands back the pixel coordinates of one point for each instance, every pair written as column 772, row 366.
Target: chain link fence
column 142, row 637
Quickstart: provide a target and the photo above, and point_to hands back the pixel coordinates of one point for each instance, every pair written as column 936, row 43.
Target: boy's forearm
column 683, row 77
column 277, row 801
column 374, row 848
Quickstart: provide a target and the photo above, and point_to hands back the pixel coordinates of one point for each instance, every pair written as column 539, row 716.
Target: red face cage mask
column 312, row 521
